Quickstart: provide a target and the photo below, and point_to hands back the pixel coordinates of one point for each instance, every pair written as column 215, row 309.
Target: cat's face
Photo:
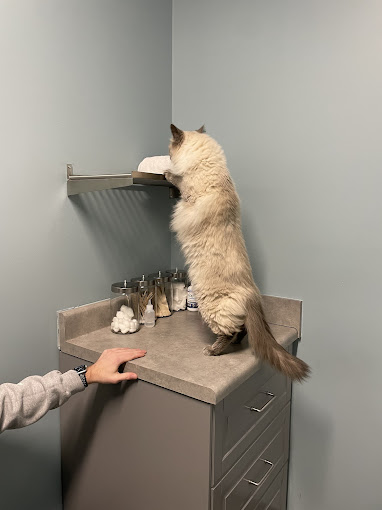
column 185, row 149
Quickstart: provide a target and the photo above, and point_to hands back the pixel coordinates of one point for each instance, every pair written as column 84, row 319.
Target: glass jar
column 124, row 307
column 146, row 290
column 163, row 294
column 179, row 283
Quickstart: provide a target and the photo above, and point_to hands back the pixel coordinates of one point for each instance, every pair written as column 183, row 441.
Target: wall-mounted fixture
column 85, row 183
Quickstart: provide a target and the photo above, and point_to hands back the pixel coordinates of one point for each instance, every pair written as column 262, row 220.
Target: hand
column 105, row 369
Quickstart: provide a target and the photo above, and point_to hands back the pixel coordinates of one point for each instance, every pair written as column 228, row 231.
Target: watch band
column 81, row 371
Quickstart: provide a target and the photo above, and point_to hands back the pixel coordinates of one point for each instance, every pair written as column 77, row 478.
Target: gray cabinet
column 139, row 446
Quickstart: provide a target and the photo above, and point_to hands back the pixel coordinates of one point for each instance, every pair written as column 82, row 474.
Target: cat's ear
column 201, row 130
column 177, row 135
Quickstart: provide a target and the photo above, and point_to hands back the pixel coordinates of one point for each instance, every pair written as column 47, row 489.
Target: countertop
column 174, row 358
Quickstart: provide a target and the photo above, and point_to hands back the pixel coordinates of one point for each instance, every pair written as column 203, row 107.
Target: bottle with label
column 192, row 304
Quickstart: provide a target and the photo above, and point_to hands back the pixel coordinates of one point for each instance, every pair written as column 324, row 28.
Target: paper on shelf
column 155, row 165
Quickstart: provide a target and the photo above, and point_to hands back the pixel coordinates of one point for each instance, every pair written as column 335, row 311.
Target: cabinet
column 192, row 433
column 139, row 446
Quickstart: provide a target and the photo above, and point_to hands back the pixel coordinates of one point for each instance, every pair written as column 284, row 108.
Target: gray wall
column 87, row 83
column 293, row 91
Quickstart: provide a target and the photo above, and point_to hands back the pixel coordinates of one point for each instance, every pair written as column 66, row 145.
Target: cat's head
column 187, row 148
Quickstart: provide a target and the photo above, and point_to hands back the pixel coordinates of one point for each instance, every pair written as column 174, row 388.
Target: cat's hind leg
column 222, row 342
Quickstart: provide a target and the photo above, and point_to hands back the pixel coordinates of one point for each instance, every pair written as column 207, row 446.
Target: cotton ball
column 124, row 323
column 120, row 315
column 122, row 326
column 179, row 297
column 115, row 328
column 134, row 326
column 128, row 312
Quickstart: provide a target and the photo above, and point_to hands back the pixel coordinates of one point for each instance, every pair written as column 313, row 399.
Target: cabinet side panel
column 134, row 445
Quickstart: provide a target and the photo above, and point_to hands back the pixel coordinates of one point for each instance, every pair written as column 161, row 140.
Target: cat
column 207, row 223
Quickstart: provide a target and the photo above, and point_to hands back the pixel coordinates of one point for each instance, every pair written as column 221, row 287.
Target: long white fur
column 208, row 225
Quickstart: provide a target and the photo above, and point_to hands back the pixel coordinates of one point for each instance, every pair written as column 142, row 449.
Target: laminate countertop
column 175, row 358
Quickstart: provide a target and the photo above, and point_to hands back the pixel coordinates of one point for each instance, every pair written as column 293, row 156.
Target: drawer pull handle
column 264, row 477
column 261, row 409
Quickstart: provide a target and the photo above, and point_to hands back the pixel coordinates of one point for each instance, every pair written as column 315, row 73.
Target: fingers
column 128, row 376
column 124, row 350
column 112, row 362
column 121, row 368
column 130, row 354
column 122, row 354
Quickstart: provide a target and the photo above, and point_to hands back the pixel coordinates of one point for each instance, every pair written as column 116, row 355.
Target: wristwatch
column 81, row 371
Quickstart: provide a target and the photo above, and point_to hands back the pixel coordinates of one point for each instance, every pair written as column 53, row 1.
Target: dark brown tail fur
column 267, row 349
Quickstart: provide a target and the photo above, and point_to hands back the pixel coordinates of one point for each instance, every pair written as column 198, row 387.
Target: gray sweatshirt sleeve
column 26, row 402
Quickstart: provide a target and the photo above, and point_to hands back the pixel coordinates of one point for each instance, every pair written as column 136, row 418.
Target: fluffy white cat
column 208, row 226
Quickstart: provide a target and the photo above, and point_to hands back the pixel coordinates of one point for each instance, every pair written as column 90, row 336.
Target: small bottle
column 192, row 304
column 149, row 316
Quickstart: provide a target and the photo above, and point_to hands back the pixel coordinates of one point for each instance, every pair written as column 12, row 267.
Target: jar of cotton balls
column 124, row 307
column 179, row 284
column 146, row 290
column 163, row 296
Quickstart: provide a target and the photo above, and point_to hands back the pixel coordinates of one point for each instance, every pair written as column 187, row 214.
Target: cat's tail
column 266, row 347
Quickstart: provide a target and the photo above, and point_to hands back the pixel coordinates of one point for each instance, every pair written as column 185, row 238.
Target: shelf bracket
column 84, row 183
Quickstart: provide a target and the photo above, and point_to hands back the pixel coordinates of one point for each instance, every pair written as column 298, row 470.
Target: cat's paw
column 208, row 351
column 167, row 175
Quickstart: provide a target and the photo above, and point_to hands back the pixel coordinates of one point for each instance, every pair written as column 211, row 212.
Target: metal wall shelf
column 86, row 183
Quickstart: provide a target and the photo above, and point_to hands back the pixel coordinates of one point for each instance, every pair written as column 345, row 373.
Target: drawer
column 244, row 415
column 275, row 496
column 247, row 481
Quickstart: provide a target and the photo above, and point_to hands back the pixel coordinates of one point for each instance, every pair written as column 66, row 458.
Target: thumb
column 127, row 376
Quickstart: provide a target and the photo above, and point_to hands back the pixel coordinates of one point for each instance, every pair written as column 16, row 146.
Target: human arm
column 26, row 402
